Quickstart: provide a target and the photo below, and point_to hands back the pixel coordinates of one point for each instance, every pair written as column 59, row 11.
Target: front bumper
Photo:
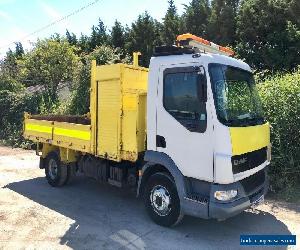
column 249, row 190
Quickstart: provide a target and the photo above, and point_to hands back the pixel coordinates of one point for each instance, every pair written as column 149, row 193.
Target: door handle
column 160, row 141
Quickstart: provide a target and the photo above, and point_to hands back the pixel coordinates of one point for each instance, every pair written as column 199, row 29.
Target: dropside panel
column 72, row 136
column 38, row 130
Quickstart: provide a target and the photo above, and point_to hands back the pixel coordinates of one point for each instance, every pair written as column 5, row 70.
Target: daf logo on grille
column 240, row 161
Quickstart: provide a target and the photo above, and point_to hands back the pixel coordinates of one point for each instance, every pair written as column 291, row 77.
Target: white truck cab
column 206, row 128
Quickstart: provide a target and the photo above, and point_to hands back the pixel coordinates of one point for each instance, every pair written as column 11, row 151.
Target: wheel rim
column 53, row 169
column 160, row 200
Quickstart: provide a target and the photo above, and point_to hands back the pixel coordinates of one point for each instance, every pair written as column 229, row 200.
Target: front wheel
column 161, row 200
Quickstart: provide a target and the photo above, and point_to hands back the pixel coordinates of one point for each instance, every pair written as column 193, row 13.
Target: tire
column 160, row 190
column 56, row 173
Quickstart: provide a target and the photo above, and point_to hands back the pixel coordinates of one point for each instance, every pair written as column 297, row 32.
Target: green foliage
column 51, row 62
column 268, row 34
column 9, row 66
column 171, row 24
column 144, row 36
column 118, row 35
column 98, row 36
column 10, row 84
column 71, row 38
column 196, row 17
column 13, row 105
column 222, row 25
column 281, row 100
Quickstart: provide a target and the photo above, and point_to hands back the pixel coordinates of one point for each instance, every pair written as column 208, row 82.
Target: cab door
column 183, row 119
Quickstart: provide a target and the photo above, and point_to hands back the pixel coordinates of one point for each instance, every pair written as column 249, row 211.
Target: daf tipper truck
column 188, row 134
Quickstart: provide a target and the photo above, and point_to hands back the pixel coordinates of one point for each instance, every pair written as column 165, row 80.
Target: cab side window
column 184, row 97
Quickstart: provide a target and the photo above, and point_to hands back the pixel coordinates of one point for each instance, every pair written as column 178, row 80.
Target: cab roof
column 204, row 58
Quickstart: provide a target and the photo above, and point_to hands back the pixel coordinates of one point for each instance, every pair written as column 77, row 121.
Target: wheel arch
column 160, row 162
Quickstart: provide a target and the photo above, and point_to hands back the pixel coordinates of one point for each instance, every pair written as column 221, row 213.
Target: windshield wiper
column 246, row 121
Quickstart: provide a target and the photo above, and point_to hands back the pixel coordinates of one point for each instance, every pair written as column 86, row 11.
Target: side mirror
column 202, row 85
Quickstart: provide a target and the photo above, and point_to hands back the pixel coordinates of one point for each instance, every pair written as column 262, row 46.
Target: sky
column 20, row 18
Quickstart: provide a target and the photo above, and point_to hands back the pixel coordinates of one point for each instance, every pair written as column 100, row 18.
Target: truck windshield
column 236, row 98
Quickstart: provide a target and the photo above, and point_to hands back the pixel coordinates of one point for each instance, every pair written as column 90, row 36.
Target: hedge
column 281, row 101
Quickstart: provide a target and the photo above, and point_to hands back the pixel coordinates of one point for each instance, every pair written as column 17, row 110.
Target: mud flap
column 42, row 163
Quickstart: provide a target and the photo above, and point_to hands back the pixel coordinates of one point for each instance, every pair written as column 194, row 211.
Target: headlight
column 225, row 195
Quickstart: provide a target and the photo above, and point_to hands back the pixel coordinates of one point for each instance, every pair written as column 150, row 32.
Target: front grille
column 244, row 162
column 253, row 181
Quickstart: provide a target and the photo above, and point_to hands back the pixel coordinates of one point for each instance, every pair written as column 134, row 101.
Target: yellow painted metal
column 118, row 117
column 40, row 129
column 136, row 58
column 93, row 107
column 141, row 122
column 72, row 136
column 67, row 155
column 109, row 119
column 47, row 148
column 248, row 139
column 77, row 131
column 116, row 92
column 72, row 133
column 62, row 134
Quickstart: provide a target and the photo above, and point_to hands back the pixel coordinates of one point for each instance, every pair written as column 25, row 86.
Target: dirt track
column 90, row 215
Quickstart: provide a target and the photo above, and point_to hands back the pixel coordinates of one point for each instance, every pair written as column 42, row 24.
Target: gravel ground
column 90, row 215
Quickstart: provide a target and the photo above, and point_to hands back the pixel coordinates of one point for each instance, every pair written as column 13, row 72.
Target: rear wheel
column 162, row 201
column 56, row 173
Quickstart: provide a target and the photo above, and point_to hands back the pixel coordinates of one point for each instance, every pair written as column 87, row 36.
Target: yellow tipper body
column 117, row 129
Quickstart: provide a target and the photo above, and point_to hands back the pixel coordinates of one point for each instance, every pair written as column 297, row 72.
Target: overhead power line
column 54, row 22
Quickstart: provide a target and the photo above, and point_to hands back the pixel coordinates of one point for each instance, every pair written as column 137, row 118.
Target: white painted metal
column 204, row 156
column 192, row 152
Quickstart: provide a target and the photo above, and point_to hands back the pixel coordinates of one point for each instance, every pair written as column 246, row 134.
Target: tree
column 83, row 43
column 196, row 16
column 143, row 37
column 71, row 37
column 50, row 63
column 270, row 39
column 222, row 25
column 19, row 50
column 98, row 36
column 171, row 24
column 9, row 65
column 118, row 35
